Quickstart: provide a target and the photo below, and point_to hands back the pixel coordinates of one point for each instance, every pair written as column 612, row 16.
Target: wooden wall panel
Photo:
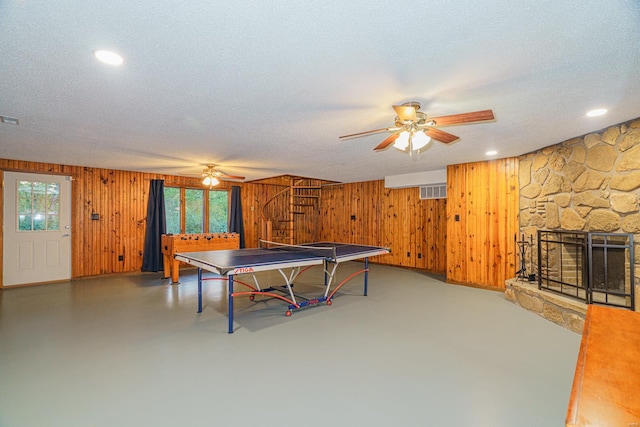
column 120, row 198
column 399, row 225
column 478, row 249
column 387, row 225
column 251, row 213
column 330, row 215
column 482, row 219
column 434, row 236
column 1, row 226
column 456, row 222
column 368, row 213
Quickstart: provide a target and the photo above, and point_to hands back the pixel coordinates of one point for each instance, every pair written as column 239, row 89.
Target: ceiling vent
column 435, row 191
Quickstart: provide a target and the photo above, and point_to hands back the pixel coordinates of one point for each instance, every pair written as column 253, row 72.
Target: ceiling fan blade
column 454, row 119
column 406, row 112
column 355, row 135
column 440, row 135
column 387, row 142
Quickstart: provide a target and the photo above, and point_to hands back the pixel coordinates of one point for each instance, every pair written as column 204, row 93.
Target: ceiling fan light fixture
column 210, row 177
column 210, row 181
column 402, row 142
column 419, row 140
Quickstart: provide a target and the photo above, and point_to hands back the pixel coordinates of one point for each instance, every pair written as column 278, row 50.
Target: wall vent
column 435, row 191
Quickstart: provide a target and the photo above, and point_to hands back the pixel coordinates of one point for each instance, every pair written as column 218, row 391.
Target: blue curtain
column 156, row 227
column 235, row 218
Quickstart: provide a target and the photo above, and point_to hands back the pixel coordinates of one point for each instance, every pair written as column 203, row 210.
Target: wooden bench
column 176, row 243
column 606, row 385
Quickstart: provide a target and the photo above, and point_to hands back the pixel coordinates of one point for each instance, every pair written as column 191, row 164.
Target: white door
column 37, row 228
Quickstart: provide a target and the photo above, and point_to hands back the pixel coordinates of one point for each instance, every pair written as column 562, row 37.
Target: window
column 193, row 211
column 218, row 211
column 38, row 206
column 172, row 209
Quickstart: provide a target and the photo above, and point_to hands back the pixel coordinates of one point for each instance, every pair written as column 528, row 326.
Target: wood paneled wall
column 367, row 213
column 478, row 249
column 120, row 198
column 482, row 221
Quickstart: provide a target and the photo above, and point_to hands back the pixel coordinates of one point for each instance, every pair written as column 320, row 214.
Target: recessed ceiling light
column 9, row 120
column 596, row 113
column 491, row 153
column 108, row 57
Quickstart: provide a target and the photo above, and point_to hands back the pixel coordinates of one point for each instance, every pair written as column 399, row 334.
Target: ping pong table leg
column 366, row 275
column 326, row 273
column 199, row 290
column 230, row 306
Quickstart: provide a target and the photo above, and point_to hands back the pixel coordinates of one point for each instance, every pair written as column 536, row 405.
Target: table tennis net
column 328, row 252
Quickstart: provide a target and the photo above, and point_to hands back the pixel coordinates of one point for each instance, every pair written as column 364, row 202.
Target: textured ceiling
column 263, row 88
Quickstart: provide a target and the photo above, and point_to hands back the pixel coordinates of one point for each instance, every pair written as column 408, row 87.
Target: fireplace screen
column 593, row 267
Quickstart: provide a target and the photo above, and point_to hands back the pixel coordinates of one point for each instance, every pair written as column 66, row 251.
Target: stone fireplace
column 590, row 267
column 589, row 184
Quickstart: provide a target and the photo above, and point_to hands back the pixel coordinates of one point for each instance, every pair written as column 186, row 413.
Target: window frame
column 205, row 209
column 33, row 212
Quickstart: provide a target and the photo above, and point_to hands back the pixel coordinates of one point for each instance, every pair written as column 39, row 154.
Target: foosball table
column 176, row 243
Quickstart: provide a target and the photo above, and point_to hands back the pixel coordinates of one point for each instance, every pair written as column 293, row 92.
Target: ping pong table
column 289, row 260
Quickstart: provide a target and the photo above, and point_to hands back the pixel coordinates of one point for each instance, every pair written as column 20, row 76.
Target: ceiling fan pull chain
column 411, row 144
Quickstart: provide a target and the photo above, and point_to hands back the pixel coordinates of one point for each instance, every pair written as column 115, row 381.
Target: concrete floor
column 131, row 351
